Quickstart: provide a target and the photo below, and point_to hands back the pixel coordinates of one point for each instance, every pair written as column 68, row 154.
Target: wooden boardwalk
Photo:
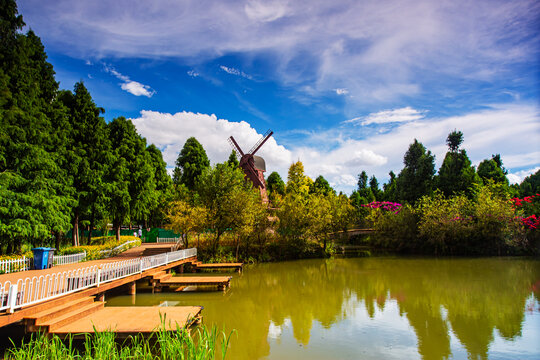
column 23, row 313
column 222, row 282
column 133, row 319
column 216, row 266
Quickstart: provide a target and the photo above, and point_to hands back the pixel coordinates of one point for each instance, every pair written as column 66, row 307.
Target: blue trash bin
column 41, row 257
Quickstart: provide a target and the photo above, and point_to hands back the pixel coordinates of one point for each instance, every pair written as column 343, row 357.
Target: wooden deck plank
column 132, row 319
column 196, row 280
column 220, row 266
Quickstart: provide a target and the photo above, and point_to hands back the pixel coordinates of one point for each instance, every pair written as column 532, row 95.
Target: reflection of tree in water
column 479, row 295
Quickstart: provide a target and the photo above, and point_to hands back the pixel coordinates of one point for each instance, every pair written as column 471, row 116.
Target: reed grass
column 200, row 344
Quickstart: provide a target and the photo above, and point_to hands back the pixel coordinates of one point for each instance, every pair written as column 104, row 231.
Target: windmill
column 253, row 166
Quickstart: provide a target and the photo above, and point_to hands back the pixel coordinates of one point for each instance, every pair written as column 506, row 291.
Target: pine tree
column 321, row 186
column 34, row 200
column 275, row 184
column 190, row 164
column 88, row 145
column 233, row 159
column 416, row 177
column 456, row 175
column 492, row 169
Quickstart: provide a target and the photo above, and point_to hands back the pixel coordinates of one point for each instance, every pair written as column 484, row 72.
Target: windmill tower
column 253, row 166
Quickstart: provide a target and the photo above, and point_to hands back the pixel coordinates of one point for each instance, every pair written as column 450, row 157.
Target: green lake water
column 373, row 308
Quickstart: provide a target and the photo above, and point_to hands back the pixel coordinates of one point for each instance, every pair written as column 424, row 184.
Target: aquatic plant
column 202, row 344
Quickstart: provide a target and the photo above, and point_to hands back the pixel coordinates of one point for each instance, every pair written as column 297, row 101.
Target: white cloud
column 377, row 53
column 236, row 72
column 132, row 87
column 193, row 73
column 265, row 11
column 137, row 89
column 405, row 114
column 341, row 91
column 518, row 176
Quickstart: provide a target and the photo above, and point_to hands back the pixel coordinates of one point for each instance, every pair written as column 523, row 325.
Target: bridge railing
column 33, row 290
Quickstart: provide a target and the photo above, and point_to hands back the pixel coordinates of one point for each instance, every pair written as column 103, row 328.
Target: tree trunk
column 216, row 243
column 75, row 233
column 92, row 219
column 185, row 237
column 57, row 240
column 116, row 226
column 237, row 246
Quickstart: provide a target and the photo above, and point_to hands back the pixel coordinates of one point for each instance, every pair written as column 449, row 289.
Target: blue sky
column 345, row 85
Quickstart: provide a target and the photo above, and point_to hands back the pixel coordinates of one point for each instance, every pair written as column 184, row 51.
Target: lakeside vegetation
column 204, row 344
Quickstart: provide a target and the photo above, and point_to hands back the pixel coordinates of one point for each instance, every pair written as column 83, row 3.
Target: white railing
column 14, row 265
column 167, row 240
column 109, row 252
column 69, row 259
column 33, row 290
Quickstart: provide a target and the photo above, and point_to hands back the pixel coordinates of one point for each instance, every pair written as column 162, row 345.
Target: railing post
column 12, row 298
column 166, row 258
column 141, row 265
column 98, row 275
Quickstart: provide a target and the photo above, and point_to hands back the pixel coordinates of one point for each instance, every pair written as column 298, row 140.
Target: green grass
column 201, row 344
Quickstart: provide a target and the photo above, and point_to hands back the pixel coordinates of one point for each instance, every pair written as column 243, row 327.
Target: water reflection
column 374, row 308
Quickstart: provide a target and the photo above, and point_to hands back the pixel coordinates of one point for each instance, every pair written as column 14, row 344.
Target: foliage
column 185, row 218
column 492, row 169
column 456, row 174
column 233, row 159
column 100, row 244
column 321, row 186
column 395, row 225
column 227, row 198
column 275, row 184
column 454, row 140
column 530, row 185
column 416, row 178
column 458, row 225
column 374, row 187
column 297, row 181
column 34, row 194
column 190, row 164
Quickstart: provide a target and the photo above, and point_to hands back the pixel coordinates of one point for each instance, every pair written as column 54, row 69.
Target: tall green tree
column 88, row 145
column 530, row 185
column 297, row 181
column 34, row 199
column 190, row 164
column 456, row 175
column 163, row 187
column 131, row 178
column 275, row 184
column 389, row 189
column 321, row 186
column 226, row 195
column 374, row 187
column 416, row 178
column 233, row 159
column 492, row 169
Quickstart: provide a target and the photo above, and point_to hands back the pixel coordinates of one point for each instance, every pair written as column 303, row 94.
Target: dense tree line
column 61, row 164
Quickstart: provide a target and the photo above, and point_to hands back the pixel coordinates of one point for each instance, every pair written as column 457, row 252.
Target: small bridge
column 352, row 232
